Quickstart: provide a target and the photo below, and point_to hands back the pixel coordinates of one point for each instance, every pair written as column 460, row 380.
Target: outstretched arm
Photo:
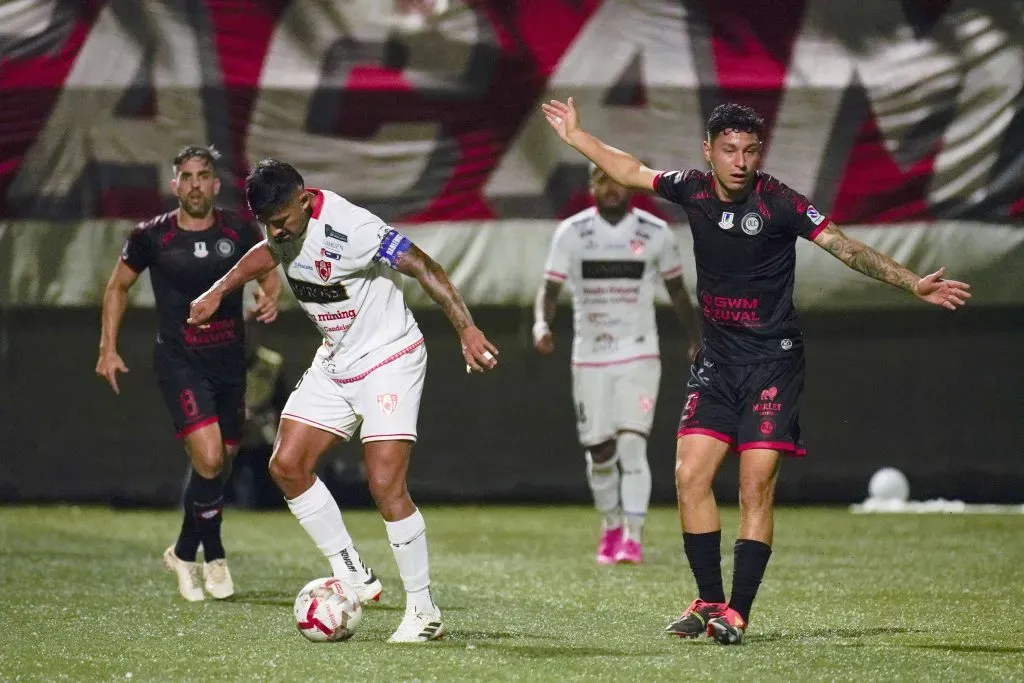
column 862, row 258
column 622, row 167
column 255, row 263
column 479, row 353
column 544, row 307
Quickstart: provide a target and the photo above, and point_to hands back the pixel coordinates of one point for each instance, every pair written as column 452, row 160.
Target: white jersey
column 343, row 277
column 612, row 271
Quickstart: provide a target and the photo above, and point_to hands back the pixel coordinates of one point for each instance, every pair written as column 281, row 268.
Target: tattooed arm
column 480, row 354
column 862, row 258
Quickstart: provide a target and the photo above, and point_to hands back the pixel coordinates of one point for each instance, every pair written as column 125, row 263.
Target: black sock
column 750, row 561
column 704, row 553
column 188, row 538
column 204, row 499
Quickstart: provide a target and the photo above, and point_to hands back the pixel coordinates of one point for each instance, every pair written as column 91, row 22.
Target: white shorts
column 386, row 399
column 614, row 398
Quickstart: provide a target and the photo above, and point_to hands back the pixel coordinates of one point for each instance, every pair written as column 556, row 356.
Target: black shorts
column 746, row 406
column 197, row 397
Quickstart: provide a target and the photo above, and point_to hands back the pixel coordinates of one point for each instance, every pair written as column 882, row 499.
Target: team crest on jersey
column 752, row 223
column 387, row 403
column 199, row 250
column 637, row 246
column 323, row 269
column 726, row 221
column 225, row 247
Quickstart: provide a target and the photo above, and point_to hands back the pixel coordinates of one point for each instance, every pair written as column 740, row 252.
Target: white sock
column 636, row 481
column 408, row 539
column 603, row 478
column 320, row 516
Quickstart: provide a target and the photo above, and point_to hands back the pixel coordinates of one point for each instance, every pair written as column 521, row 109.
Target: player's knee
column 284, row 468
column 601, row 453
column 208, row 464
column 757, row 492
column 692, row 479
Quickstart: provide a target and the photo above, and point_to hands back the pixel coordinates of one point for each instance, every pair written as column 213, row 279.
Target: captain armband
column 392, row 246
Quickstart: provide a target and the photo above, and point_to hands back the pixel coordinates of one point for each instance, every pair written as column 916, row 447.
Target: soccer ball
column 327, row 610
column 889, row 484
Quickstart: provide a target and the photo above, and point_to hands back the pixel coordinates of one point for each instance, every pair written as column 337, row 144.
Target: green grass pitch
column 846, row 598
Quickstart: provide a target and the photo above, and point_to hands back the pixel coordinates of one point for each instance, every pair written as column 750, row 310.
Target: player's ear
column 174, row 185
column 216, row 186
column 707, row 150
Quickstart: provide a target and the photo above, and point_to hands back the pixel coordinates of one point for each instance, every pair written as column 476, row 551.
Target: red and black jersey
column 182, row 265
column 745, row 253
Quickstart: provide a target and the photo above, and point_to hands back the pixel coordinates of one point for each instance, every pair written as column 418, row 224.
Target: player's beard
column 196, row 208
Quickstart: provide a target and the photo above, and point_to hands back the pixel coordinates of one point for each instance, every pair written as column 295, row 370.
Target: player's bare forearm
column 864, row 259
column 683, row 307
column 115, row 301
column 622, row 167
column 257, row 262
column 431, row 276
column 546, row 303
column 270, row 283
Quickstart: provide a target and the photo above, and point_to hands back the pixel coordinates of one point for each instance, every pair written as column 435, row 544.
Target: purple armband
column 392, row 247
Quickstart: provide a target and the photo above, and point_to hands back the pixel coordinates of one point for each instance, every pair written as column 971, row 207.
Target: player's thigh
column 710, row 408
column 698, row 458
column 188, row 395
column 229, row 393
column 636, row 395
column 319, row 402
column 771, row 407
column 388, row 399
column 593, row 390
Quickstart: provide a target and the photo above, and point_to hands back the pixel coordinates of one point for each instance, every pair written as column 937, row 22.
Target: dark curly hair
column 207, row 154
column 735, row 117
column 270, row 184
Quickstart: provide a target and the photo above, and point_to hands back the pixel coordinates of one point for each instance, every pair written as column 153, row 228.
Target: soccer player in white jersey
column 612, row 257
column 342, row 263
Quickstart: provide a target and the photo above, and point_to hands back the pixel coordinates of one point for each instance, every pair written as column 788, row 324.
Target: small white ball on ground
column 889, row 483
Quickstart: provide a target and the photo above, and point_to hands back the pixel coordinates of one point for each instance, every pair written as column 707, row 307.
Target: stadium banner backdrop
column 903, row 121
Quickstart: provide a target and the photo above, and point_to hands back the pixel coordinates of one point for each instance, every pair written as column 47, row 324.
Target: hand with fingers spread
column 107, row 367
column 946, row 293
column 480, row 354
column 563, row 118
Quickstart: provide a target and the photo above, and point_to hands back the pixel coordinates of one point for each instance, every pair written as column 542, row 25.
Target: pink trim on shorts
column 724, row 438
column 393, row 357
column 188, row 429
column 555, row 275
column 773, row 446
column 388, row 437
column 678, row 270
column 314, row 423
column 587, row 364
column 231, row 443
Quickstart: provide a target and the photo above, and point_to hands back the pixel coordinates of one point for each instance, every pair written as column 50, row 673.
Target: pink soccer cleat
column 629, row 552
column 609, row 545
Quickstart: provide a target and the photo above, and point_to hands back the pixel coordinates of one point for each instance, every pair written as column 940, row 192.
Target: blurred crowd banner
column 903, row 120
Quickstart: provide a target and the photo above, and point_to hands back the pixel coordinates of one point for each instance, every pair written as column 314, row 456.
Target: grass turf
column 846, row 597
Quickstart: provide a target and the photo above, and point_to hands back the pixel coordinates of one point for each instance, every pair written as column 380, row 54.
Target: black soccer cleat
column 728, row 628
column 694, row 621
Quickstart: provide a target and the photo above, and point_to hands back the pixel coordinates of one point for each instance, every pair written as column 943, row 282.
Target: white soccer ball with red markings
column 327, row 610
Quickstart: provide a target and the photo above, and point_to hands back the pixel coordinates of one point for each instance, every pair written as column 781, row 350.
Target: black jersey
column 182, row 265
column 746, row 260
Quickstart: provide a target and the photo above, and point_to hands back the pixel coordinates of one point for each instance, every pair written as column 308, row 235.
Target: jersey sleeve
column 137, row 252
column 676, row 186
column 801, row 217
column 670, row 262
column 376, row 242
column 557, row 265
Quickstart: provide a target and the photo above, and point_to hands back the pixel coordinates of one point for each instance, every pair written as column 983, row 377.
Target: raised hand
column 563, row 118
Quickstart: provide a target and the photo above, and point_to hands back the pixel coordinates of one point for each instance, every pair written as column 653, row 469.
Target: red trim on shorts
column 773, row 446
column 318, row 201
column 724, row 438
column 817, row 231
column 393, row 357
column 555, row 275
column 586, row 364
column 382, row 437
column 314, row 423
column 188, row 429
column 231, row 443
column 668, row 274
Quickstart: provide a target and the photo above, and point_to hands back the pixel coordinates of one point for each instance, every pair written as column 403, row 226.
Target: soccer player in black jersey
column 745, row 384
column 201, row 371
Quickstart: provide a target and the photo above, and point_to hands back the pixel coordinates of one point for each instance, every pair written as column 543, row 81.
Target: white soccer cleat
column 419, row 627
column 217, row 579
column 189, row 584
column 369, row 591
